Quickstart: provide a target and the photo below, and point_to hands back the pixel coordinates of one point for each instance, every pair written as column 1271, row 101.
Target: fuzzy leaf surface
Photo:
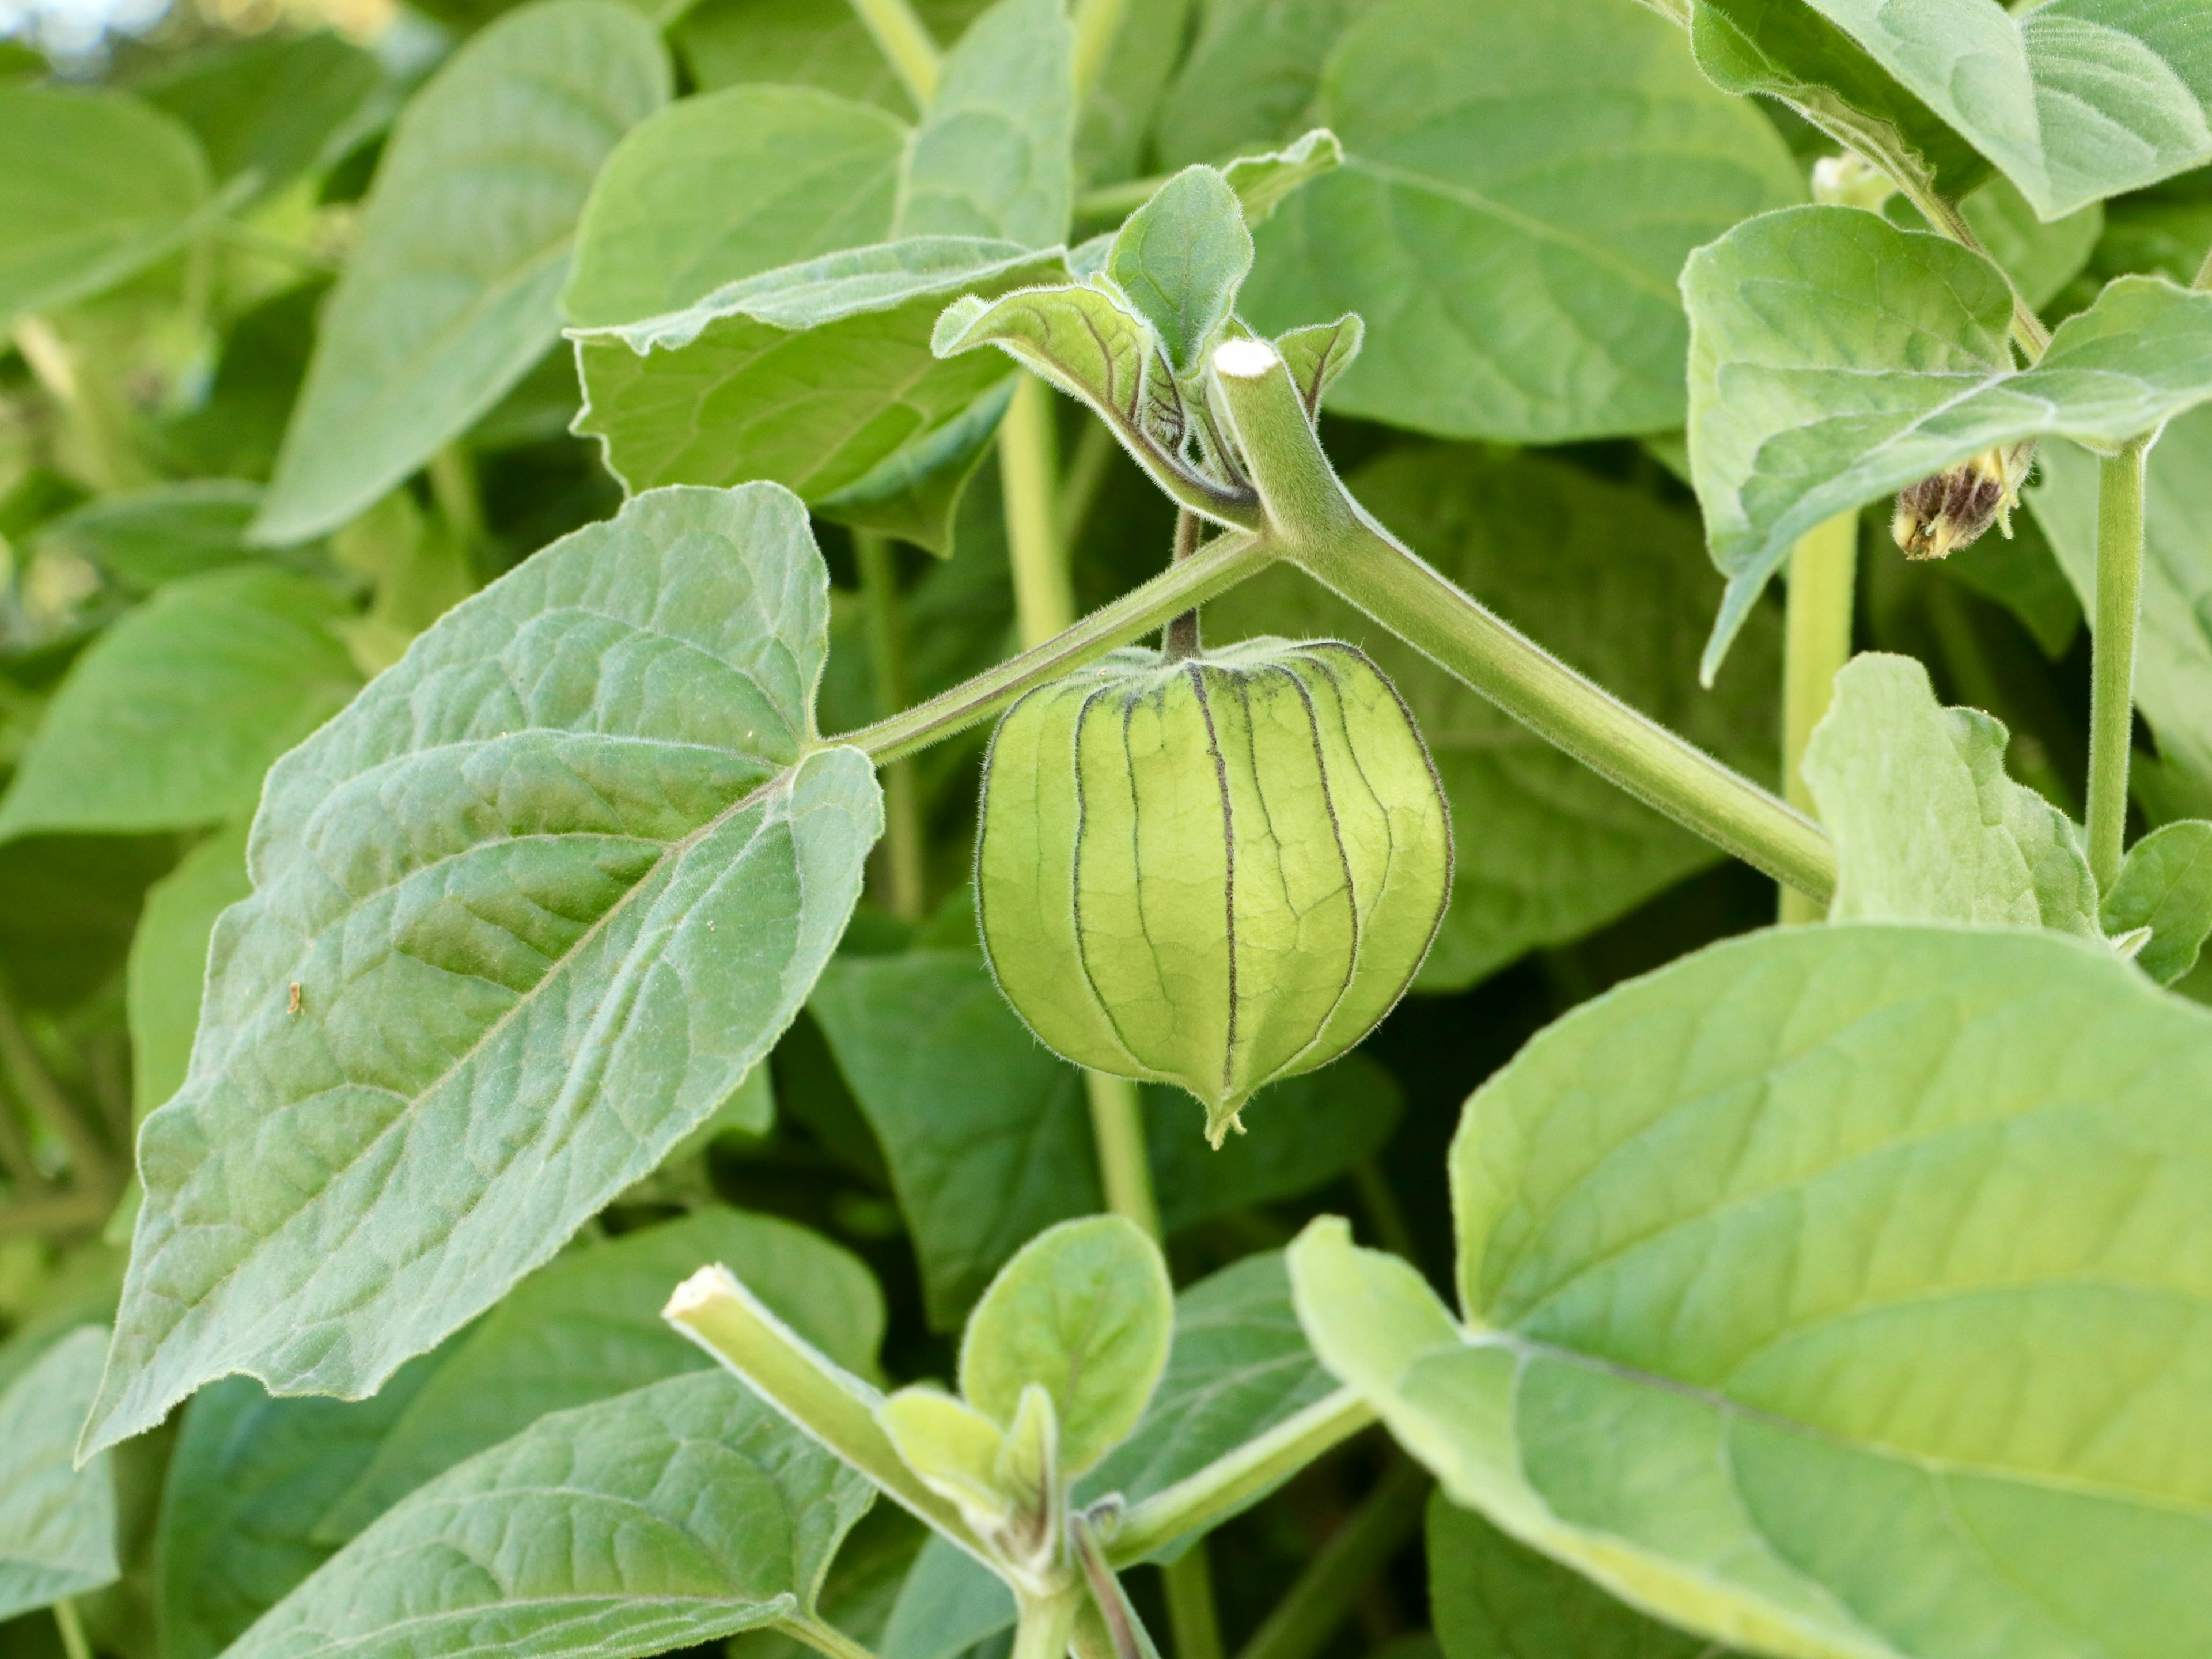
column 169, row 961
column 673, row 1514
column 169, row 719
column 57, row 1523
column 1926, row 824
column 1751, row 1252
column 995, row 155
column 1181, row 259
column 451, row 294
column 1264, row 182
column 497, row 883
column 1835, row 358
column 1251, row 74
column 2165, row 885
column 1518, row 190
column 793, row 173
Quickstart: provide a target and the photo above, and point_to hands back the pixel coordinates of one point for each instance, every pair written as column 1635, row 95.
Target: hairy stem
column 905, row 45
column 1179, row 639
column 73, row 1644
column 1305, row 1619
column 1317, row 525
column 1816, row 643
column 822, row 1635
column 1044, row 602
column 903, row 870
column 2112, row 662
column 1191, row 1617
column 1239, row 1477
column 1118, row 1129
column 1045, row 1625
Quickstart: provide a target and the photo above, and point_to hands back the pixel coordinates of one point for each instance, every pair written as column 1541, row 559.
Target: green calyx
column 1214, row 871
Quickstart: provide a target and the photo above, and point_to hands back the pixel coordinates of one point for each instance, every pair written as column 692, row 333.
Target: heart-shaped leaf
column 2165, row 885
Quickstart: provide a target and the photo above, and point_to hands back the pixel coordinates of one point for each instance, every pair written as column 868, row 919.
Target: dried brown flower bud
column 1953, row 508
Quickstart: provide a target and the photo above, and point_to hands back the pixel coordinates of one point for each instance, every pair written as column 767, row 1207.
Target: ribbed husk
column 1214, row 872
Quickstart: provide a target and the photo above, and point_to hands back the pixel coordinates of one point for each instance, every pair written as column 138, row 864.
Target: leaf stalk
column 906, row 44
column 903, row 867
column 2112, row 661
column 1816, row 643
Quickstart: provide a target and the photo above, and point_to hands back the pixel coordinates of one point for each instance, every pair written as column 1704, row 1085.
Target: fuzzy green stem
column 905, row 45
column 1181, row 638
column 1117, row 1128
column 1097, row 25
column 1305, row 1619
column 1192, row 1620
column 903, row 867
column 1316, row 523
column 73, row 1643
column 1237, row 1478
column 2112, row 662
column 1044, row 603
column 1816, row 643
column 823, row 1636
column 1045, row 1625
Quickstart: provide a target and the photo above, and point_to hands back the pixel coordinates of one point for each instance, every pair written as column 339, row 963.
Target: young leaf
column 169, row 961
column 1263, row 183
column 2173, row 660
column 793, row 173
column 668, row 1516
column 1835, row 358
column 1519, row 187
column 1747, row 1248
column 2165, row 885
column 450, row 296
column 269, row 106
column 1614, row 582
column 56, row 1522
column 954, row 1448
column 819, row 377
column 2073, row 101
column 479, row 990
column 144, row 538
column 169, row 721
column 995, row 155
column 587, row 1326
column 1926, row 826
column 1492, row 1598
column 1180, row 259
column 1085, row 1311
column 1316, row 353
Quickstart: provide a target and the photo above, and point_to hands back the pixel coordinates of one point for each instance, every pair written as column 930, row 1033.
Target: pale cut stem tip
column 710, row 1284
column 1244, row 360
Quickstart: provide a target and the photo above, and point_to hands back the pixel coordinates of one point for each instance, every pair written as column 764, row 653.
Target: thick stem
column 823, row 1636
column 73, row 1644
column 1044, row 603
column 903, row 869
column 1045, row 1625
column 1816, row 643
column 1239, row 1477
column 1192, row 1620
column 1305, row 1619
column 1117, row 1128
column 1316, row 523
column 905, row 45
column 1180, row 638
column 2112, row 664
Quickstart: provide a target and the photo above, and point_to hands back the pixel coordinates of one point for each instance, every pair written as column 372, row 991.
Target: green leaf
column 271, row 105
column 1612, row 581
column 1251, row 75
column 169, row 719
column 1753, row 1251
column 169, row 961
column 728, row 42
column 793, row 173
column 57, row 1523
column 239, row 426
column 1926, row 826
column 1264, row 182
column 2165, row 885
column 1492, row 1598
column 662, row 1518
column 587, row 1326
column 1835, row 358
column 1084, row 339
column 144, row 538
column 2073, row 101
column 1110, row 137
column 995, row 155
column 819, row 377
column 2040, row 257
column 497, row 882
column 99, row 186
column 1085, row 1311
column 1519, row 188
column 954, row 1448
column 247, row 1485
column 2173, row 651
column 949, row 1602
column 1180, row 259
column 450, row 294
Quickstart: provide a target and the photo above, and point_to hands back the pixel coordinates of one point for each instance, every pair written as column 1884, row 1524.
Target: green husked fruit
column 1213, row 871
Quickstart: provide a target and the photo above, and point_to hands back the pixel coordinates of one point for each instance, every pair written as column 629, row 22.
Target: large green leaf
column 524, row 916
column 996, row 154
column 2173, row 652
column 450, row 295
column 2072, row 100
column 1519, row 188
column 169, row 719
column 728, row 43
column 57, row 1523
column 671, row 1515
column 270, row 104
column 97, row 187
column 819, row 377
column 168, row 961
column 1835, row 358
column 1111, row 137
column 792, row 174
column 1926, row 826
column 1611, row 580
column 1493, row 1598
column 587, row 1325
column 1836, row 1291
column 1250, row 76
column 988, row 1136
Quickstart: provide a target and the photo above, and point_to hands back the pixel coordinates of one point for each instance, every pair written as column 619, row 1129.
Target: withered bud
column 1953, row 508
